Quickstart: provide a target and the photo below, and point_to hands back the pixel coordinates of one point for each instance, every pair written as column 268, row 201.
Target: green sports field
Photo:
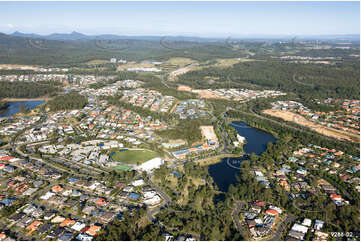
column 123, row 168
column 133, row 156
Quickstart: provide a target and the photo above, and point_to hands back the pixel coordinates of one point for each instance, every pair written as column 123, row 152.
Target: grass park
column 136, row 157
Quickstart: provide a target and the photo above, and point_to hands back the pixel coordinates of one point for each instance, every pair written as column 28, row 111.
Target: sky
column 204, row 19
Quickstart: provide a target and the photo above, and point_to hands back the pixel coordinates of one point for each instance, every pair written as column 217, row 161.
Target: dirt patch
column 173, row 75
column 208, row 133
column 230, row 62
column 207, row 94
column 201, row 92
column 97, row 62
column 298, row 119
column 184, row 88
column 180, row 61
column 17, row 67
column 134, row 65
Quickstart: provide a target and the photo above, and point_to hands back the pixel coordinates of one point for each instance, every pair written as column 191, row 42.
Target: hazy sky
column 182, row 18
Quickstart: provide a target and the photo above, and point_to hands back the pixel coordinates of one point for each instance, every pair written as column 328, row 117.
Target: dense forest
column 187, row 130
column 72, row 100
column 155, row 83
column 19, row 89
column 36, row 51
column 69, row 52
column 200, row 216
column 305, row 80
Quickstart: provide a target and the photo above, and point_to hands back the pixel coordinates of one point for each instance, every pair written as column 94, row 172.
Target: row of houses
column 244, row 94
column 299, row 231
column 347, row 118
column 148, row 99
column 261, row 218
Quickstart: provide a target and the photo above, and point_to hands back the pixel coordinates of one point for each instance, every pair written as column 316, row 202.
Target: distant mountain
column 72, row 36
column 56, row 36
column 19, row 34
column 79, row 36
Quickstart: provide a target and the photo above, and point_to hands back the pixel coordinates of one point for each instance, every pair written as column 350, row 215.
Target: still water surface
column 14, row 107
column 257, row 140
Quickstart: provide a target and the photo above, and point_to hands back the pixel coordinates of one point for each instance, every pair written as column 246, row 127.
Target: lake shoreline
column 214, row 159
column 14, row 107
column 225, row 173
column 26, row 99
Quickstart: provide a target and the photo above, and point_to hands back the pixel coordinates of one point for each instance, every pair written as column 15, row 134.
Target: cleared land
column 135, row 65
column 184, row 88
column 208, row 133
column 97, row 62
column 173, row 75
column 207, row 94
column 18, row 67
column 202, row 93
column 230, row 62
column 180, row 61
column 298, row 119
column 133, row 156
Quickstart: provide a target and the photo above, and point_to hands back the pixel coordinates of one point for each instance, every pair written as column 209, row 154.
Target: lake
column 14, row 107
column 222, row 173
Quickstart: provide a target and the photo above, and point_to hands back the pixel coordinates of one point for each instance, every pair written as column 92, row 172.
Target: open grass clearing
column 133, row 156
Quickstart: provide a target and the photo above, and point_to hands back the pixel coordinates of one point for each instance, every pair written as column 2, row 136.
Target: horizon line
column 181, row 34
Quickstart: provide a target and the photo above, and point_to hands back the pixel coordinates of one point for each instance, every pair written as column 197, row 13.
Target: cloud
column 10, row 26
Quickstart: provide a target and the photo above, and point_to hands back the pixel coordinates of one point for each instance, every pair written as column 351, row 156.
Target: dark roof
column 66, row 236
column 44, row 228
column 17, row 216
column 57, row 232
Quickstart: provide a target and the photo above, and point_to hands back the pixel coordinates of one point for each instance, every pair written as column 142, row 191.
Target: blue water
column 14, row 107
column 257, row 140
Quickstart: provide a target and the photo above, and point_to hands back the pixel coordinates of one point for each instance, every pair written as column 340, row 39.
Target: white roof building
column 47, row 195
column 138, row 182
column 149, row 194
column 318, row 224
column 152, row 201
column 299, row 228
column 307, row 222
column 78, row 226
column 84, row 237
column 150, row 165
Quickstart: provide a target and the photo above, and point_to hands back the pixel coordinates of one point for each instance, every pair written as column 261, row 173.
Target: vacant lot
column 184, row 88
column 180, row 61
column 298, row 119
column 208, row 133
column 173, row 75
column 133, row 156
column 18, row 67
column 230, row 62
column 97, row 62
column 201, row 92
column 135, row 65
column 207, row 94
